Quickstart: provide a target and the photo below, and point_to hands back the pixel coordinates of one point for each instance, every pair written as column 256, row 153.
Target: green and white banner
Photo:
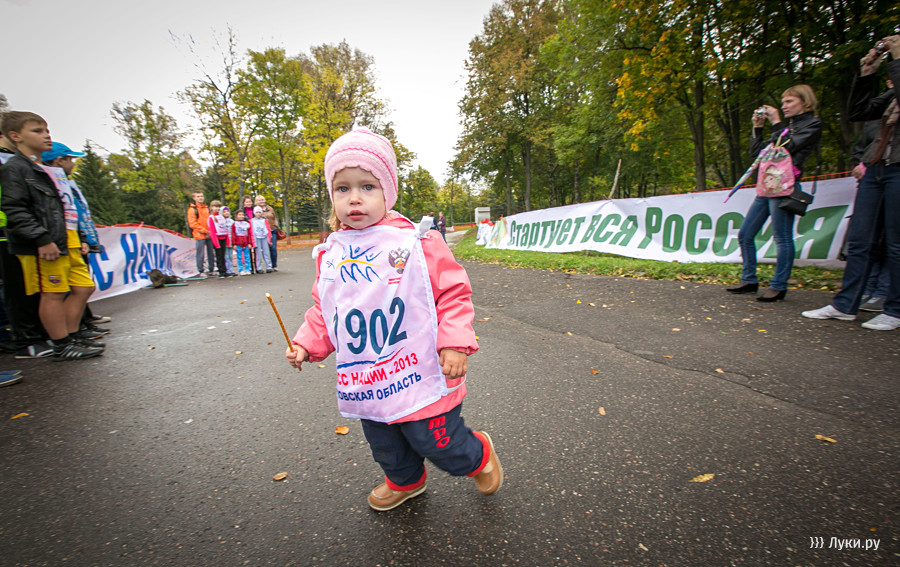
column 694, row 227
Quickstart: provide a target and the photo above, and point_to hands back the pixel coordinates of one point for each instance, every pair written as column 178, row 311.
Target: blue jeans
column 401, row 448
column 273, row 248
column 783, row 234
column 876, row 208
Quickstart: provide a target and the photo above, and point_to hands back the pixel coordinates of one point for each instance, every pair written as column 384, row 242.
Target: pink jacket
column 214, row 235
column 455, row 313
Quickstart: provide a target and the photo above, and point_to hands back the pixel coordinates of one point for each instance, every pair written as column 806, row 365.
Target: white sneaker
column 828, row 312
column 882, row 323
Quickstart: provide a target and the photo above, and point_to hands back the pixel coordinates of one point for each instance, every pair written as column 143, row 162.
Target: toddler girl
column 395, row 307
column 242, row 239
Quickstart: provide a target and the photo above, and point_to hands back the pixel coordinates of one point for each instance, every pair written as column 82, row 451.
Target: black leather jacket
column 805, row 132
column 34, row 210
column 864, row 105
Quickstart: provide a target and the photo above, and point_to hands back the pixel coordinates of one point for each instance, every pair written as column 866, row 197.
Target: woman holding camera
column 804, row 133
column 877, row 203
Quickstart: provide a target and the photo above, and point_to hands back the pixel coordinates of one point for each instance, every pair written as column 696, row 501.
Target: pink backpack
column 776, row 176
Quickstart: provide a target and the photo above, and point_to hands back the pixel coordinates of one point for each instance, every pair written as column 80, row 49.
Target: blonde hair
column 215, row 203
column 804, row 93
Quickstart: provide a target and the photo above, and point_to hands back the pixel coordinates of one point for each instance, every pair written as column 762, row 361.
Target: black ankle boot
column 772, row 295
column 744, row 288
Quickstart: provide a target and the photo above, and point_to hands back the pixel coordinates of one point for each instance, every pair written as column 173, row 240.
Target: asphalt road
column 604, row 396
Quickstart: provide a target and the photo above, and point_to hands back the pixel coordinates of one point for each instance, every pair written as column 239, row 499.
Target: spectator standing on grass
column 877, row 204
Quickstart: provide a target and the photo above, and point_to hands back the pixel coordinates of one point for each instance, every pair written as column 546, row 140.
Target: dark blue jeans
column 877, row 207
column 273, row 248
column 401, row 448
column 783, row 234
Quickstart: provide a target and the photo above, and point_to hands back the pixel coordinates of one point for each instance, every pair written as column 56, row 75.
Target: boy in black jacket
column 40, row 234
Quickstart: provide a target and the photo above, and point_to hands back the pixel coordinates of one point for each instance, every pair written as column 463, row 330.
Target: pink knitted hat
column 365, row 149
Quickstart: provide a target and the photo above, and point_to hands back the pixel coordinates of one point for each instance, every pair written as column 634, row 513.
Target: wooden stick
column 280, row 322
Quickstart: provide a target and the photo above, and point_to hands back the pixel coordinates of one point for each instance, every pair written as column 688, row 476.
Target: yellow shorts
column 57, row 276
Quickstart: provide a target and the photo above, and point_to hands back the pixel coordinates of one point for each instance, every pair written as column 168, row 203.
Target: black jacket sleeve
column 16, row 201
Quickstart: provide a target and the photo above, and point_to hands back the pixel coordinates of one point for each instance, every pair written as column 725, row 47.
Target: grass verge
column 802, row 277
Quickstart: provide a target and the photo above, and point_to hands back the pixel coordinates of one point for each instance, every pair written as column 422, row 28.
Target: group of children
column 229, row 236
column 49, row 232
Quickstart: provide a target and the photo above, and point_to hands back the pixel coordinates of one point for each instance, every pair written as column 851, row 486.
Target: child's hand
column 296, row 356
column 453, row 363
column 48, row 252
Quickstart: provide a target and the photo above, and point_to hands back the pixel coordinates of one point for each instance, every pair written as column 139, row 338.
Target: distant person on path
column 269, row 214
column 804, row 133
column 442, row 226
column 242, row 239
column 198, row 220
column 877, row 203
column 43, row 233
column 247, row 207
column 262, row 237
column 219, row 235
column 402, row 314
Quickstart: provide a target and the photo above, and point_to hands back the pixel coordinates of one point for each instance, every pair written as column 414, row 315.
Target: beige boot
column 490, row 479
column 383, row 498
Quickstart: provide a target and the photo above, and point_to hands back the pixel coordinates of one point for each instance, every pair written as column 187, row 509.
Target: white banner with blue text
column 130, row 252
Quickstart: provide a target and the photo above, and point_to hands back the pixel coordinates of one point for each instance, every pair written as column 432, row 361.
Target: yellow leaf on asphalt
column 592, row 305
column 18, row 415
column 666, row 356
column 568, row 333
column 280, row 476
column 577, row 301
column 601, row 411
column 702, row 478
column 594, row 371
column 342, row 430
column 238, row 352
column 762, row 330
column 151, row 348
column 321, row 365
column 720, row 371
column 676, row 329
column 823, row 438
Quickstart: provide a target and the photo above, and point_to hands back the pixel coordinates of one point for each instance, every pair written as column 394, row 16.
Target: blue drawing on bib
column 358, row 263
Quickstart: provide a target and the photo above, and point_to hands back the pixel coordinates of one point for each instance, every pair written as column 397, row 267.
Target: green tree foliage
column 418, row 194
column 155, row 173
column 666, row 87
column 98, row 185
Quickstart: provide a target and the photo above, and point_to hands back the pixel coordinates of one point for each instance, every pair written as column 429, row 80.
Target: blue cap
column 59, row 150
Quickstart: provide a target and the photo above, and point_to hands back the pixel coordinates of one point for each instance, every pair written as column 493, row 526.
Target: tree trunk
column 526, row 158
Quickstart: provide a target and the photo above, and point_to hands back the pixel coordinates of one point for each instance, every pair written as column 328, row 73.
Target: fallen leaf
column 823, row 438
column 577, row 301
column 321, row 365
column 18, row 415
column 476, row 337
column 485, row 319
column 568, row 333
column 702, row 478
column 238, row 352
column 592, row 305
column 641, row 545
column 280, row 476
column 666, row 356
column 676, row 329
column 762, row 330
column 268, row 343
column 720, row 371
column 594, row 371
column 151, row 348
column 601, row 411
column 342, row 430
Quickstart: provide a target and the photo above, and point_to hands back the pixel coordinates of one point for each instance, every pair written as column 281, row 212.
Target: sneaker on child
column 39, row 349
column 873, row 304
